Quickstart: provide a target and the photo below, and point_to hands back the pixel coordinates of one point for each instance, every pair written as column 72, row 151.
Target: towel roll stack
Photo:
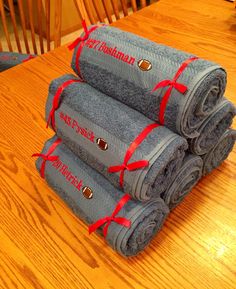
column 101, row 131
column 94, row 200
column 135, row 132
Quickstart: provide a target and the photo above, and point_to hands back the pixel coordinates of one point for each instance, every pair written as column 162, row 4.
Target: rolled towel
column 11, row 59
column 219, row 152
column 172, row 87
column 188, row 176
column 131, row 151
column 213, row 128
column 128, row 225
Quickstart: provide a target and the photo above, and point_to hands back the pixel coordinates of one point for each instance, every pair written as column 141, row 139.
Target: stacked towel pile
column 135, row 131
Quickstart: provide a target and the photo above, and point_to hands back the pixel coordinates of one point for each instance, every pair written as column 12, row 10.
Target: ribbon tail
column 42, row 170
column 163, row 105
column 85, row 26
column 105, row 229
column 49, row 119
column 137, row 165
column 181, row 87
column 96, row 225
column 161, row 84
column 123, row 222
column 115, row 169
column 122, row 178
column 36, row 155
column 74, row 44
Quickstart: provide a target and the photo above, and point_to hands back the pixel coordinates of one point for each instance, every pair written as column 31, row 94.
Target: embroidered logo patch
column 144, row 65
column 102, row 144
column 87, row 192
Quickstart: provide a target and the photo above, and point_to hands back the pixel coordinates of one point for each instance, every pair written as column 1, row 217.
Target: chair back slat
column 13, row 19
column 40, row 24
column 27, row 28
column 31, row 23
column 4, row 24
column 115, row 9
column 84, row 11
column 48, row 27
column 57, row 26
column 143, row 3
column 124, row 7
column 88, row 12
column 23, row 25
column 98, row 11
column 111, row 10
column 107, row 10
column 134, row 5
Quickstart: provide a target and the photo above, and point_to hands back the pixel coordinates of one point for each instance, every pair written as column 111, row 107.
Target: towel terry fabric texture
column 188, row 176
column 213, row 128
column 128, row 67
column 69, row 176
column 11, row 59
column 219, row 152
column 86, row 118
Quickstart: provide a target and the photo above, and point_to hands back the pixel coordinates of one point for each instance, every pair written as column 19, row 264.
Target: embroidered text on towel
column 64, row 170
column 75, row 125
column 112, row 51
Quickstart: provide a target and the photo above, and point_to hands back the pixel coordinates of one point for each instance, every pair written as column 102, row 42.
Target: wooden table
column 43, row 245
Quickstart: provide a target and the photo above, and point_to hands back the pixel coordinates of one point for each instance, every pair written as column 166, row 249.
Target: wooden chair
column 111, row 10
column 23, row 24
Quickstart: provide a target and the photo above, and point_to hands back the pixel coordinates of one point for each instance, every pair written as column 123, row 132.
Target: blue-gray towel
column 71, row 178
column 213, row 128
column 127, row 67
column 100, row 129
column 219, row 152
column 188, row 176
column 11, row 59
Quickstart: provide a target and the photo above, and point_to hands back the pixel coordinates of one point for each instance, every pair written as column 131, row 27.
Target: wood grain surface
column 43, row 245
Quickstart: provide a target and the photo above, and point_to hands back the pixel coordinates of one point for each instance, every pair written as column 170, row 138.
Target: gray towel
column 188, row 176
column 116, row 63
column 219, row 152
column 71, row 178
column 213, row 127
column 85, row 116
column 11, row 59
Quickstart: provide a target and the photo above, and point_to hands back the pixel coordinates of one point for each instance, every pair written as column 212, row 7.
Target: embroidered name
column 75, row 126
column 101, row 46
column 64, row 170
column 5, row 57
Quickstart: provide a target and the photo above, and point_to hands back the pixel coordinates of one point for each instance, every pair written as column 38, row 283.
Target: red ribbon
column 28, row 58
column 81, row 41
column 135, row 165
column 172, row 84
column 108, row 219
column 47, row 157
column 55, row 103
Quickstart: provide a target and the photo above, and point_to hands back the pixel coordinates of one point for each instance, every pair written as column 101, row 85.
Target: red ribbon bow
column 108, row 219
column 55, row 103
column 81, row 41
column 172, row 84
column 135, row 165
column 47, row 157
